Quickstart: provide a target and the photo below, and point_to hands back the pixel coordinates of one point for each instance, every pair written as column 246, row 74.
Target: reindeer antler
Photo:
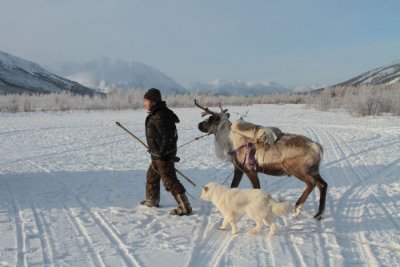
column 206, row 110
column 241, row 116
column 220, row 106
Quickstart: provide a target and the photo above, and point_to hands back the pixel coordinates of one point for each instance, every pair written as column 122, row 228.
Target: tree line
column 360, row 101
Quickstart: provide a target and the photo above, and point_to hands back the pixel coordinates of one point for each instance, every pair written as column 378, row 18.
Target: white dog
column 257, row 204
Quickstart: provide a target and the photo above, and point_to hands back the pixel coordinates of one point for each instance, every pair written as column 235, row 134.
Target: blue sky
column 293, row 43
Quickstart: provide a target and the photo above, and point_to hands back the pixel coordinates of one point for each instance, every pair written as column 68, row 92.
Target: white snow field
column 71, row 183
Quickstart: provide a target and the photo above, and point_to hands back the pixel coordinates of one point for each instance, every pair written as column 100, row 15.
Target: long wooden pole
column 140, row 141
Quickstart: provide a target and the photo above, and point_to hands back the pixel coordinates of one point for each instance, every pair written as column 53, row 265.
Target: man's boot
column 151, row 203
column 152, row 195
column 184, row 207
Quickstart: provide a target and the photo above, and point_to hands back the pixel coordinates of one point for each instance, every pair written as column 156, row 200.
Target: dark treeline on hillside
column 365, row 100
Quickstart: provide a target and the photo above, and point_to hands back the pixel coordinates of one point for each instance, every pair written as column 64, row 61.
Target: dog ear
column 205, row 188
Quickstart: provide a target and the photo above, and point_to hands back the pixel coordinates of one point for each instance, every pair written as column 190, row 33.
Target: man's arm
column 166, row 129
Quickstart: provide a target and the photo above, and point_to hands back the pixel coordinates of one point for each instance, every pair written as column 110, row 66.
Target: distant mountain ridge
column 104, row 73
column 18, row 75
column 227, row 88
column 385, row 75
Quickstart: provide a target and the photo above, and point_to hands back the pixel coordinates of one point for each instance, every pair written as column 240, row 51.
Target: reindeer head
column 210, row 125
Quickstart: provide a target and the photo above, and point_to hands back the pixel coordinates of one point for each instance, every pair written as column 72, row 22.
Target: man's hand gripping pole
column 140, row 141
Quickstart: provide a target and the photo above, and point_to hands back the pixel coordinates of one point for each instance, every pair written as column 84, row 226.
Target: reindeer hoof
column 297, row 210
column 318, row 217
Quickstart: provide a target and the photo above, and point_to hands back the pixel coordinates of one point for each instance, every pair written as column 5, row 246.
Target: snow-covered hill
column 105, row 73
column 384, row 75
column 223, row 87
column 18, row 75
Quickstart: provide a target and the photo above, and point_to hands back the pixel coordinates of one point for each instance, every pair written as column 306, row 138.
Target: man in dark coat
column 162, row 137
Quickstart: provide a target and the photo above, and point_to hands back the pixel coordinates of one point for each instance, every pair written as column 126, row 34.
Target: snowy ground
column 70, row 184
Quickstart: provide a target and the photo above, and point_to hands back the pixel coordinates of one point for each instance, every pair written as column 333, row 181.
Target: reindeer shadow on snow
column 255, row 149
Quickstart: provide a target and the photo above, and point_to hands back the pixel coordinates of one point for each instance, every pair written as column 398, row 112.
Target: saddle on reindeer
column 245, row 135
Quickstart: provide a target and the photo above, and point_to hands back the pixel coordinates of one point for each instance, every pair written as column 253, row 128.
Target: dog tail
column 281, row 207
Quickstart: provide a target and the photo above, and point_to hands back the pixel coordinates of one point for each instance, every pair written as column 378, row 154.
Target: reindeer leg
column 308, row 179
column 311, row 183
column 323, row 187
column 253, row 177
column 237, row 177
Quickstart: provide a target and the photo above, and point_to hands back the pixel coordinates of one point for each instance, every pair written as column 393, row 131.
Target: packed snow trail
column 70, row 184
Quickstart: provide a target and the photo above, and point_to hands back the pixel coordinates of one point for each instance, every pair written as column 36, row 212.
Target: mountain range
column 22, row 76
column 104, row 74
column 226, row 88
column 18, row 75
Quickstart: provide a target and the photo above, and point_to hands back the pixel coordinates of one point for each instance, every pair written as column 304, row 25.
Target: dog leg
column 272, row 232
column 234, row 227
column 268, row 221
column 224, row 224
column 256, row 228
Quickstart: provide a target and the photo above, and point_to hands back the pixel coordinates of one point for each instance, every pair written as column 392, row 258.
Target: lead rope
column 195, row 139
column 228, row 177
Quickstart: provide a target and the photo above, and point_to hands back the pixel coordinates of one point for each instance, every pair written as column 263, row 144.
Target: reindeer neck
column 222, row 142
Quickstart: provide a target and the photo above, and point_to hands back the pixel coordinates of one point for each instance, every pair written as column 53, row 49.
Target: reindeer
column 290, row 154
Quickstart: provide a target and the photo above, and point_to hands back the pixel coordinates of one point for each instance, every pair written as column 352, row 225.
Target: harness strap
column 250, row 157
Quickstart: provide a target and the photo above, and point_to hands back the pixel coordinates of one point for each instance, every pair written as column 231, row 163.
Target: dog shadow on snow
column 347, row 204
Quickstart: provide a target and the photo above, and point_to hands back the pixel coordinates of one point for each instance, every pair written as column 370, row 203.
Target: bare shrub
column 27, row 104
column 370, row 100
column 323, row 100
column 395, row 103
column 361, row 106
